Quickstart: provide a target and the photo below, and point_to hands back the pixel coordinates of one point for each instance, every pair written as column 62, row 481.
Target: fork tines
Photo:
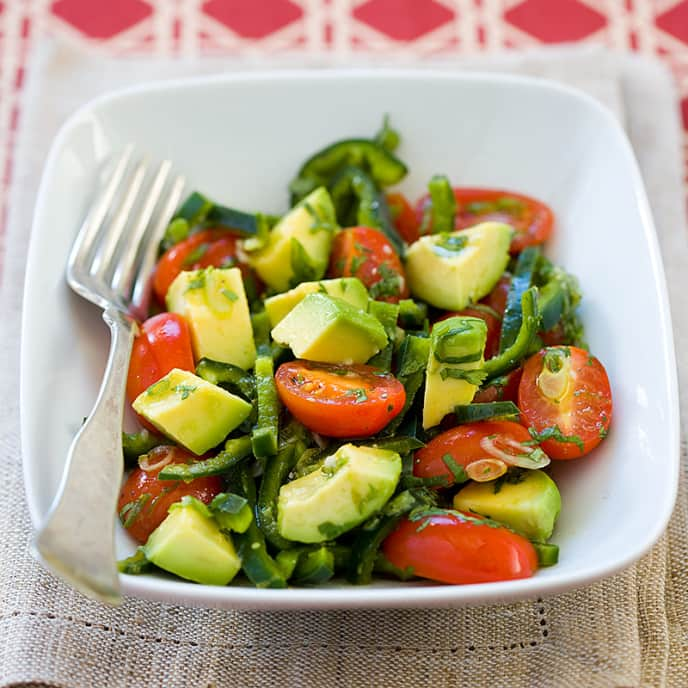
column 115, row 251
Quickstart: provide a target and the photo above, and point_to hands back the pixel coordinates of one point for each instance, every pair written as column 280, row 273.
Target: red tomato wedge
column 465, row 444
column 496, row 299
column 144, row 499
column 339, row 400
column 366, row 253
column 532, row 219
column 403, row 216
column 162, row 344
column 211, row 247
column 458, row 549
column 565, row 396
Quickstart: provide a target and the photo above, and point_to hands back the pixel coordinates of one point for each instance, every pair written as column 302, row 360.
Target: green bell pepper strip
column 260, row 568
column 354, row 190
column 530, row 323
column 387, row 314
column 235, row 379
column 383, row 166
column 314, row 567
column 387, row 137
column 412, row 362
column 265, row 433
column 232, row 512
column 547, row 553
column 135, row 444
column 522, row 279
column 494, row 410
column 373, row 533
column 438, row 216
column 412, row 314
column 235, row 451
column 135, row 564
column 277, row 469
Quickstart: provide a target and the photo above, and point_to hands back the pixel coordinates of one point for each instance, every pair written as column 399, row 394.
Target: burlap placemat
column 629, row 630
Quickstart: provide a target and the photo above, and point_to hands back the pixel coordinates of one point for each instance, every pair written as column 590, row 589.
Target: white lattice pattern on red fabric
column 419, row 28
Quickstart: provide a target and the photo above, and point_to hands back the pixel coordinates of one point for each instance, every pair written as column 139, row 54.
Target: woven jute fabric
column 629, row 630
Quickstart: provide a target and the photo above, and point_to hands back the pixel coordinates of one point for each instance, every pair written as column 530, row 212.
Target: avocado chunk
column 194, row 413
column 190, row 544
column 530, row 506
column 349, row 289
column 298, row 248
column 213, row 302
column 349, row 487
column 330, row 330
column 451, row 270
column 454, row 372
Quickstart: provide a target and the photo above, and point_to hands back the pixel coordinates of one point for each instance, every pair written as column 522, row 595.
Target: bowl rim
column 407, row 595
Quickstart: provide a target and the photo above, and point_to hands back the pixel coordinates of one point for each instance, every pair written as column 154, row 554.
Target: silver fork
column 110, row 265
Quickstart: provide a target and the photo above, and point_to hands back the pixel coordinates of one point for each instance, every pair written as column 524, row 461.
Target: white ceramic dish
column 240, row 139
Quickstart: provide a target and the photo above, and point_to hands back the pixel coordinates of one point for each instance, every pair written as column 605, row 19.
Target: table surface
column 420, row 28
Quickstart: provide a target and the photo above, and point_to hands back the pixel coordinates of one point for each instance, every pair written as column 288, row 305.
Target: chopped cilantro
column 456, row 469
column 197, row 282
column 229, row 294
column 474, row 376
column 555, row 433
column 131, row 510
column 453, row 243
column 196, row 254
column 184, row 390
column 359, row 393
column 389, row 283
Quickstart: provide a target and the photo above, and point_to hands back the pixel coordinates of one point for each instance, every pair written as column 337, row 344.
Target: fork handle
column 76, row 541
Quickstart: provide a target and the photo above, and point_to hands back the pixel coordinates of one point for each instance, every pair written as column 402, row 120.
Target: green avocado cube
column 192, row 412
column 311, row 224
column 453, row 373
column 190, row 544
column 530, row 506
column 330, row 330
column 349, row 289
column 450, row 270
column 214, row 304
column 349, row 487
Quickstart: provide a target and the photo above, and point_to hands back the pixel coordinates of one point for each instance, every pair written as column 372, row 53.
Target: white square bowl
column 240, row 139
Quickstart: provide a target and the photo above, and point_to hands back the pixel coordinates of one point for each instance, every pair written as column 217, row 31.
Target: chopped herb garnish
column 359, row 393
column 474, row 376
column 229, row 294
column 196, row 254
column 555, row 433
column 388, row 285
column 184, row 390
column 197, row 282
column 131, row 510
column 456, row 469
column 453, row 243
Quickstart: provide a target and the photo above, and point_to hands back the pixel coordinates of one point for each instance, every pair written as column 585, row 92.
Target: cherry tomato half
column 565, row 393
column 463, row 444
column 339, row 400
column 366, row 253
column 211, row 247
column 162, row 344
column 496, row 299
column 532, row 220
column 144, row 499
column 403, row 216
column 449, row 549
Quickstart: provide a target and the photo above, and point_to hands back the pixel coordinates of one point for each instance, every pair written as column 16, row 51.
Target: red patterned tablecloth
column 420, row 28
